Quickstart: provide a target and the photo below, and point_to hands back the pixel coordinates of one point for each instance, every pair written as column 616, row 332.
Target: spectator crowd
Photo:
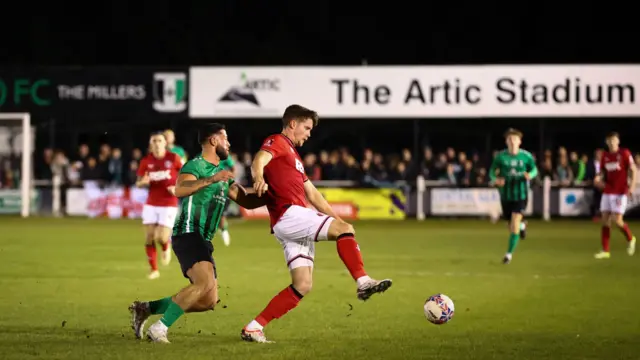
column 110, row 167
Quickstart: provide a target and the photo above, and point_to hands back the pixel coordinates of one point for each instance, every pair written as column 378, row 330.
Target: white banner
column 480, row 201
column 77, row 202
column 114, row 203
column 574, row 202
column 417, row 91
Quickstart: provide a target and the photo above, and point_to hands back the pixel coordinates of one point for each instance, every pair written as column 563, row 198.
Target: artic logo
column 247, row 89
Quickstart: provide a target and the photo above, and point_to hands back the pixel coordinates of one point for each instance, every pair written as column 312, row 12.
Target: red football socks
column 349, row 253
column 627, row 232
column 151, row 256
column 281, row 304
column 606, row 234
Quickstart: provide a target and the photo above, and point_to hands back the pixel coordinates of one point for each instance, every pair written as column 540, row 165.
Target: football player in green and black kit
column 171, row 145
column 203, row 186
column 512, row 171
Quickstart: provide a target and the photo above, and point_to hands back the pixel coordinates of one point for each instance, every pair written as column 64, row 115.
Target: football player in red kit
column 159, row 171
column 619, row 172
column 278, row 175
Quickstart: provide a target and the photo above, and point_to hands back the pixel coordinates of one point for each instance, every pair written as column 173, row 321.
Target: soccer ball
column 438, row 309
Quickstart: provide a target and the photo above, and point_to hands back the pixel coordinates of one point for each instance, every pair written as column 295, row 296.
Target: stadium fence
column 421, row 200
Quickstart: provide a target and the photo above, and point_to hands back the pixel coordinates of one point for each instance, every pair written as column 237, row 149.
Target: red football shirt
column 285, row 176
column 163, row 172
column 615, row 167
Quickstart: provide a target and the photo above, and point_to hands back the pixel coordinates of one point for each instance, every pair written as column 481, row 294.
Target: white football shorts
column 159, row 215
column 613, row 203
column 298, row 230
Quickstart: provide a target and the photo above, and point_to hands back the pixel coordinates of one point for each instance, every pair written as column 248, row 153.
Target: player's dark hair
column 208, row 130
column 512, row 131
column 156, row 133
column 298, row 113
column 613, row 134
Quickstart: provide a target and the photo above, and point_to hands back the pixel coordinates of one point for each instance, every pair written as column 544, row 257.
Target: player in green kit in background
column 512, row 171
column 204, row 186
column 226, row 164
column 171, row 146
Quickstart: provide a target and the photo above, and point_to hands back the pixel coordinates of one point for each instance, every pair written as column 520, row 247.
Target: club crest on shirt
column 268, row 142
column 150, row 166
column 167, row 163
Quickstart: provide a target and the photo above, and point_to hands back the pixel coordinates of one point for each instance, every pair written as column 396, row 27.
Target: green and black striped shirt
column 512, row 169
column 201, row 212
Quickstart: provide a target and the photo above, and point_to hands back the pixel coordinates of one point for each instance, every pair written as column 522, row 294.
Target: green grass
column 65, row 285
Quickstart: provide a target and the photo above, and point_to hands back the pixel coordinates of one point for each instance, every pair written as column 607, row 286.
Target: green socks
column 170, row 310
column 513, row 242
column 159, row 306
column 171, row 314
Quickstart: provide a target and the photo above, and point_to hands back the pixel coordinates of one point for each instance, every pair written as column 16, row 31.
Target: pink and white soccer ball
column 439, row 309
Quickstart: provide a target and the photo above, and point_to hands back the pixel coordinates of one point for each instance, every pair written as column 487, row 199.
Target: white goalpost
column 25, row 167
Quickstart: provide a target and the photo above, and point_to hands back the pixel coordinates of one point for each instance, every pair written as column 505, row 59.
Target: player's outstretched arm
column 317, row 200
column 248, row 199
column 188, row 184
column 261, row 160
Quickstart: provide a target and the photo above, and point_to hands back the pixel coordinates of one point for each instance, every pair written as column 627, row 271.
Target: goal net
column 16, row 154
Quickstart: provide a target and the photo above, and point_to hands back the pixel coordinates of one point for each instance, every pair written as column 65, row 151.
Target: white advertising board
column 417, row 91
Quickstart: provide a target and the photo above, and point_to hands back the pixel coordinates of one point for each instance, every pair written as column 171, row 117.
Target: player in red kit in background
column 619, row 173
column 278, row 175
column 159, row 171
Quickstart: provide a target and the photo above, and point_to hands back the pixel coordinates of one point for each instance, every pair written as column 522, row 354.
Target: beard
column 222, row 153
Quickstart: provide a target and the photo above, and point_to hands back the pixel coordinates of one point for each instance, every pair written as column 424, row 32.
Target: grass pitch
column 65, row 285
